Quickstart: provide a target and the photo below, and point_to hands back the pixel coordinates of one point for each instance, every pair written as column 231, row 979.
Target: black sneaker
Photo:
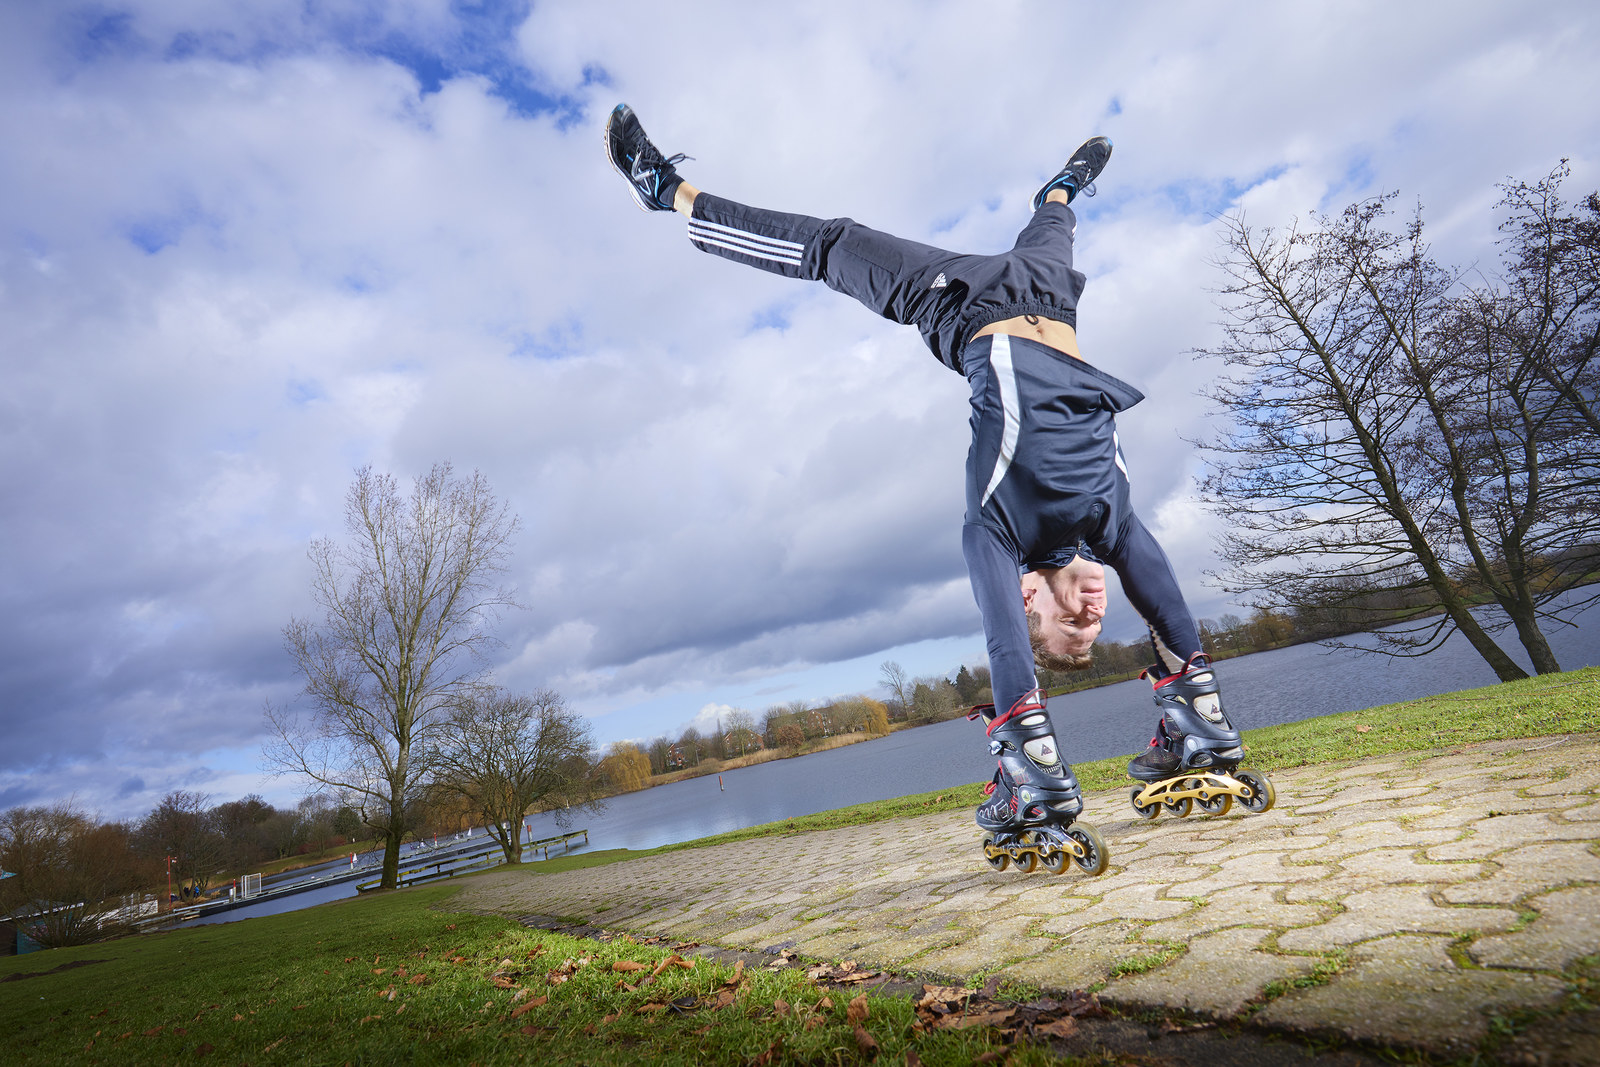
column 652, row 178
column 1078, row 176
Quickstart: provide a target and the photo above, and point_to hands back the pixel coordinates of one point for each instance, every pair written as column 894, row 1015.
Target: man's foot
column 652, row 178
column 1078, row 175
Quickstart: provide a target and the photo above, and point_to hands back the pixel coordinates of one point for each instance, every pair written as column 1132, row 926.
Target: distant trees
column 72, row 877
column 624, row 767
column 898, row 683
column 188, row 831
column 1407, row 441
column 502, row 753
column 405, row 604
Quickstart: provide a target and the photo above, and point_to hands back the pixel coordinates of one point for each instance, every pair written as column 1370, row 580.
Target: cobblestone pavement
column 1423, row 901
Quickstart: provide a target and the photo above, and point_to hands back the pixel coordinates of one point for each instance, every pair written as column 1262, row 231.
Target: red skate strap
column 977, row 710
column 1150, row 672
column 988, row 790
column 1025, row 705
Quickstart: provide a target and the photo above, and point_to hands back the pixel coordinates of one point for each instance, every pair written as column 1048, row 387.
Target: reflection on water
column 1262, row 689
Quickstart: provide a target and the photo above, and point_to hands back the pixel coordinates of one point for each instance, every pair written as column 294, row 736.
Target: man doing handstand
column 1047, row 487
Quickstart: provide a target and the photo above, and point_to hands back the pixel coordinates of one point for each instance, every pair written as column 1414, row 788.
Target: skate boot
column 1194, row 757
column 1029, row 818
column 652, row 178
column 1080, row 172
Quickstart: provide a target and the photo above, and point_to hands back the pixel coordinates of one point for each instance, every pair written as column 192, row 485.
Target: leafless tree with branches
column 406, row 607
column 503, row 753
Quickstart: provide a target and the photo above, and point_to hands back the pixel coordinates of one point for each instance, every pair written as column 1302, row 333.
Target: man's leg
column 892, row 276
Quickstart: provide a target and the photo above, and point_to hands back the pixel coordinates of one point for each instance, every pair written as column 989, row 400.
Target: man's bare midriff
column 1057, row 335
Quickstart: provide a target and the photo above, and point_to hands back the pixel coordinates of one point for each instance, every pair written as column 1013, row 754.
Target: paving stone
column 1582, row 813
column 1257, row 867
column 1246, row 905
column 1568, row 928
column 1131, row 903
column 1376, row 912
column 987, row 941
column 1081, row 960
column 1528, row 869
column 1217, row 977
column 1408, row 991
column 1491, row 835
column 1346, row 799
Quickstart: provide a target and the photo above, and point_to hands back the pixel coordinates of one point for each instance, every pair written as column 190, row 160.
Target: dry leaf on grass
column 1065, row 1026
column 771, row 1056
column 673, row 960
column 857, row 1012
column 866, row 1042
column 982, row 1018
column 528, row 1005
column 627, row 965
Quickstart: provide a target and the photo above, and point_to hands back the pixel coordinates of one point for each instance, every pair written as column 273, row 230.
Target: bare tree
column 739, row 728
column 1367, row 454
column 406, row 605
column 898, row 683
column 503, row 753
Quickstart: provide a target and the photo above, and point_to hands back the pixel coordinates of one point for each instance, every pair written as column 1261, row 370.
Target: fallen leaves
column 627, row 965
column 673, row 960
column 528, row 1005
column 844, row 973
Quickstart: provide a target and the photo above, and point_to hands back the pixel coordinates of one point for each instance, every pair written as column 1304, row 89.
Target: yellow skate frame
column 1214, row 791
column 1034, row 849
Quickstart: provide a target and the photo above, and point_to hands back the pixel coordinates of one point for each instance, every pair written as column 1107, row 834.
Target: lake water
column 1261, row 689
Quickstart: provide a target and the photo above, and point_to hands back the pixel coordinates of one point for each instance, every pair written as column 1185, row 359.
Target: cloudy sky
column 246, row 248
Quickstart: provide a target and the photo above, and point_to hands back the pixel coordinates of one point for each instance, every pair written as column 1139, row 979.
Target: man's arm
column 1152, row 588
column 992, row 566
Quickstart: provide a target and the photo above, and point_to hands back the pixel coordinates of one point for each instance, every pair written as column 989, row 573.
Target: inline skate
column 1028, row 819
column 1193, row 761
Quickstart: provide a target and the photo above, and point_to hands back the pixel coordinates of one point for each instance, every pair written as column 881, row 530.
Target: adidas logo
column 939, row 282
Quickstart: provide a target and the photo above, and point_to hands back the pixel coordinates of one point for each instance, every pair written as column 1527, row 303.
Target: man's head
column 1064, row 606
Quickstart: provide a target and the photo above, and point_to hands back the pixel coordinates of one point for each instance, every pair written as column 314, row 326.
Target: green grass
column 338, row 984
column 1533, row 707
column 302, row 987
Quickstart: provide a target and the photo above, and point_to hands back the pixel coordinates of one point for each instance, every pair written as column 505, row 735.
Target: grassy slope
column 340, row 984
column 304, row 988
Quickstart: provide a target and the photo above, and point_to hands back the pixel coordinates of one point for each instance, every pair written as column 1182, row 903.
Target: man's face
column 1070, row 602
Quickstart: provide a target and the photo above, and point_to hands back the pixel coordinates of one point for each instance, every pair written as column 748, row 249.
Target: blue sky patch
column 1213, row 198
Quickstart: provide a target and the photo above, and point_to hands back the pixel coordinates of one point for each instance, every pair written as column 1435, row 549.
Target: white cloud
column 243, row 252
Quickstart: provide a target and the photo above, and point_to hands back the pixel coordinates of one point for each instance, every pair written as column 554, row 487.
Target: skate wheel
column 1095, row 857
column 1262, row 795
column 1144, row 811
column 1217, row 804
column 994, row 856
column 1055, row 861
column 1177, row 808
column 1027, row 862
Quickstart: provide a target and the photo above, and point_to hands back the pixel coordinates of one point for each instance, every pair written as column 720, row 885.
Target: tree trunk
column 392, row 835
